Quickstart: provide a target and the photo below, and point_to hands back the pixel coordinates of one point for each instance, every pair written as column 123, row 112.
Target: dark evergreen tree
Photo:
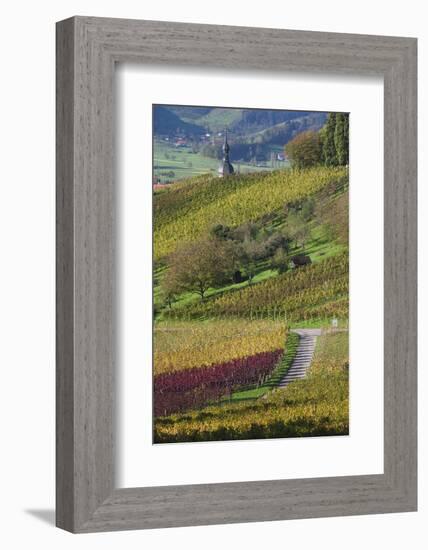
column 341, row 138
column 329, row 149
column 346, row 138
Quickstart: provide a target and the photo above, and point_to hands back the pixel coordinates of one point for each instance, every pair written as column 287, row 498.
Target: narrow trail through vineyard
column 303, row 358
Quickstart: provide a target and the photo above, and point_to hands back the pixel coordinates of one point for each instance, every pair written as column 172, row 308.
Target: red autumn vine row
column 191, row 388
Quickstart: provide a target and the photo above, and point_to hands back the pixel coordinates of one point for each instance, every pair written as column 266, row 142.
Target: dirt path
column 303, row 358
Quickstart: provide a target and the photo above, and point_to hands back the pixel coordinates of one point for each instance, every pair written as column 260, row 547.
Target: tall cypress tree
column 346, row 138
column 329, row 149
column 339, row 139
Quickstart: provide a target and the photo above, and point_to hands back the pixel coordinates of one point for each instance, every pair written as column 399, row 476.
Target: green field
column 175, row 163
column 219, row 118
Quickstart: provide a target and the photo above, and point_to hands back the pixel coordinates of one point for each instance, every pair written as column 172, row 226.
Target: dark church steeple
column 226, row 168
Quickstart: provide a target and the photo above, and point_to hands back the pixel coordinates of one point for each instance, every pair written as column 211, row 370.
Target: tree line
column 329, row 146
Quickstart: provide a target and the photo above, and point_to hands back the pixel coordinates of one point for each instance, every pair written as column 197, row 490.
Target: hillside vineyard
column 251, row 275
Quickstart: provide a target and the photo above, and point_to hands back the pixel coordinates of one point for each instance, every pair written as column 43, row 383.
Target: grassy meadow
column 176, row 163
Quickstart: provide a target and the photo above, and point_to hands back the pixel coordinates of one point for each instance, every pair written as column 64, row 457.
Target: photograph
column 210, row 275
column 250, row 273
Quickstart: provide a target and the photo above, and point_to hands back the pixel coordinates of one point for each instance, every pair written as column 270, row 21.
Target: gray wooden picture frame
column 87, row 50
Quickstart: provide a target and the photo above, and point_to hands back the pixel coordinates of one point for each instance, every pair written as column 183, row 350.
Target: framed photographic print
column 236, row 274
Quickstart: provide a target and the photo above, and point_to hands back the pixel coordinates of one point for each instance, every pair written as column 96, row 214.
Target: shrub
column 304, row 150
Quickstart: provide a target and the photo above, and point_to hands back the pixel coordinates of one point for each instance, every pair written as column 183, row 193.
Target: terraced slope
column 316, row 291
column 188, row 211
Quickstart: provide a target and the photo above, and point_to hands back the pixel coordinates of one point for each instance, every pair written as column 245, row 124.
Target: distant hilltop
column 191, row 140
column 252, row 129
